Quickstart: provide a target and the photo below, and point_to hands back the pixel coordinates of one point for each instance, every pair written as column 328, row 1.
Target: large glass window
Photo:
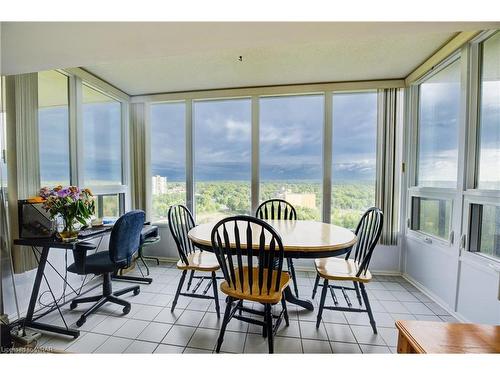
column 291, row 133
column 102, row 143
column 484, row 235
column 53, row 128
column 439, row 105
column 354, row 156
column 431, row 216
column 222, row 149
column 109, row 205
column 168, row 157
column 489, row 133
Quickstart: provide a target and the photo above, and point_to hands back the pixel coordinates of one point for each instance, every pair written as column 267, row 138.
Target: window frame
column 76, row 79
column 472, row 194
column 413, row 190
column 327, row 90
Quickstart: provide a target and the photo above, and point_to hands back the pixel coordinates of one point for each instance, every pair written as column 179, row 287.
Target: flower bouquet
column 72, row 204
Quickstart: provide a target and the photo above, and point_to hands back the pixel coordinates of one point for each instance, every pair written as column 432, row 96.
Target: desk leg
column 290, row 297
column 28, row 321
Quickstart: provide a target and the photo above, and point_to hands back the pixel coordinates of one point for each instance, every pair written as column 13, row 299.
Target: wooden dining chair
column 236, row 241
column 180, row 222
column 356, row 270
column 279, row 209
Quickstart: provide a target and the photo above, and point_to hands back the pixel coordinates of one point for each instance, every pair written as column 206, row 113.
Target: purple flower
column 63, row 193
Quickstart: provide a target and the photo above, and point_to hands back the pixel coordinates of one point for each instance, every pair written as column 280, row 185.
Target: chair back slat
column 368, row 232
column 249, row 256
column 269, row 251
column 180, row 222
column 276, row 209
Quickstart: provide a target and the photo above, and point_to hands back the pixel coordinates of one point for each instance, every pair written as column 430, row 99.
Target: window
column 53, row 128
column 431, row 216
column 354, row 156
column 439, row 105
column 109, row 205
column 102, row 138
column 484, row 232
column 222, row 149
column 291, row 160
column 168, row 157
column 489, row 112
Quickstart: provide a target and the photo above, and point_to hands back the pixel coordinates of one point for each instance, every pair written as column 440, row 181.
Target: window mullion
column 189, row 156
column 255, row 184
column 327, row 156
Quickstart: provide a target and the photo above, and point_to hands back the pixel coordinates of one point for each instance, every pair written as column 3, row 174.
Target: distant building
column 159, row 185
column 307, row 200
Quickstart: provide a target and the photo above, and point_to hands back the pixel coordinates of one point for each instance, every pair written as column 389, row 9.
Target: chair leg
column 126, row 305
column 190, row 280
column 225, row 321
column 76, row 301
column 357, row 292
column 315, row 286
column 291, row 268
column 269, row 327
column 368, row 307
column 94, row 308
column 136, row 289
column 145, row 265
column 179, row 288
column 322, row 302
column 285, row 311
column 216, row 295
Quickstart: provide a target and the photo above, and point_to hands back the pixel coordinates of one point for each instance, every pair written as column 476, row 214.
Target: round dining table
column 302, row 239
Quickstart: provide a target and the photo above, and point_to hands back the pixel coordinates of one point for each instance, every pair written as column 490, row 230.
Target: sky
column 101, row 144
column 290, row 138
column 291, row 133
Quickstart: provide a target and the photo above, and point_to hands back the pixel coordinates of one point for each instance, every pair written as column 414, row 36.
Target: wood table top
column 296, row 235
column 437, row 337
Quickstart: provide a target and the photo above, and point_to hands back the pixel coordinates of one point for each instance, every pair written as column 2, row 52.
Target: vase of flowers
column 73, row 205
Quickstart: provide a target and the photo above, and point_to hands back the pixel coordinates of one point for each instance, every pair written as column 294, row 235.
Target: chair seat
column 98, row 263
column 263, row 297
column 200, row 261
column 340, row 269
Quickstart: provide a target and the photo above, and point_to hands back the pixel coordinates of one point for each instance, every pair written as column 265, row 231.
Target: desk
column 46, row 244
column 423, row 337
column 301, row 239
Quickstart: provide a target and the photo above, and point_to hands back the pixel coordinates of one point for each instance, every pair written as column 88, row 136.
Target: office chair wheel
column 126, row 310
column 80, row 322
column 136, row 291
column 72, row 305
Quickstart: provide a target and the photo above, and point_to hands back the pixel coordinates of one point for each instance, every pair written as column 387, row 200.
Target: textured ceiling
column 142, row 58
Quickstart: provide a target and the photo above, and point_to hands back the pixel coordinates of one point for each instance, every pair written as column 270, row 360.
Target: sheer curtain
column 22, row 154
column 387, row 184
column 139, row 159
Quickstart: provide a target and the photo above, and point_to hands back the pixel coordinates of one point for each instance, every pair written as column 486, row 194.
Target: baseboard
column 434, row 297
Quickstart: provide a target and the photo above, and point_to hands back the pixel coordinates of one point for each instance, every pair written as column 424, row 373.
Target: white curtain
column 22, row 154
column 139, row 158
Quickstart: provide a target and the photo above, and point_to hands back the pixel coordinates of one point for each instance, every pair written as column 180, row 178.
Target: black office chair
column 279, row 209
column 123, row 244
column 263, row 283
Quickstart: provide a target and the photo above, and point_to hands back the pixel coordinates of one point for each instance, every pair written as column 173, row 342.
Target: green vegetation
column 218, row 199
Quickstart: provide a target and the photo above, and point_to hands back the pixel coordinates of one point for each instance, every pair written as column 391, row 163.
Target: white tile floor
column 150, row 327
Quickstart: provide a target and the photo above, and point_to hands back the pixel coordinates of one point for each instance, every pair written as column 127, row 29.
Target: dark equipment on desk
column 34, row 221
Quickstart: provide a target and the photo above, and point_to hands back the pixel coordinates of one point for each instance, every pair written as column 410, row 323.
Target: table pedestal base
column 290, row 297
